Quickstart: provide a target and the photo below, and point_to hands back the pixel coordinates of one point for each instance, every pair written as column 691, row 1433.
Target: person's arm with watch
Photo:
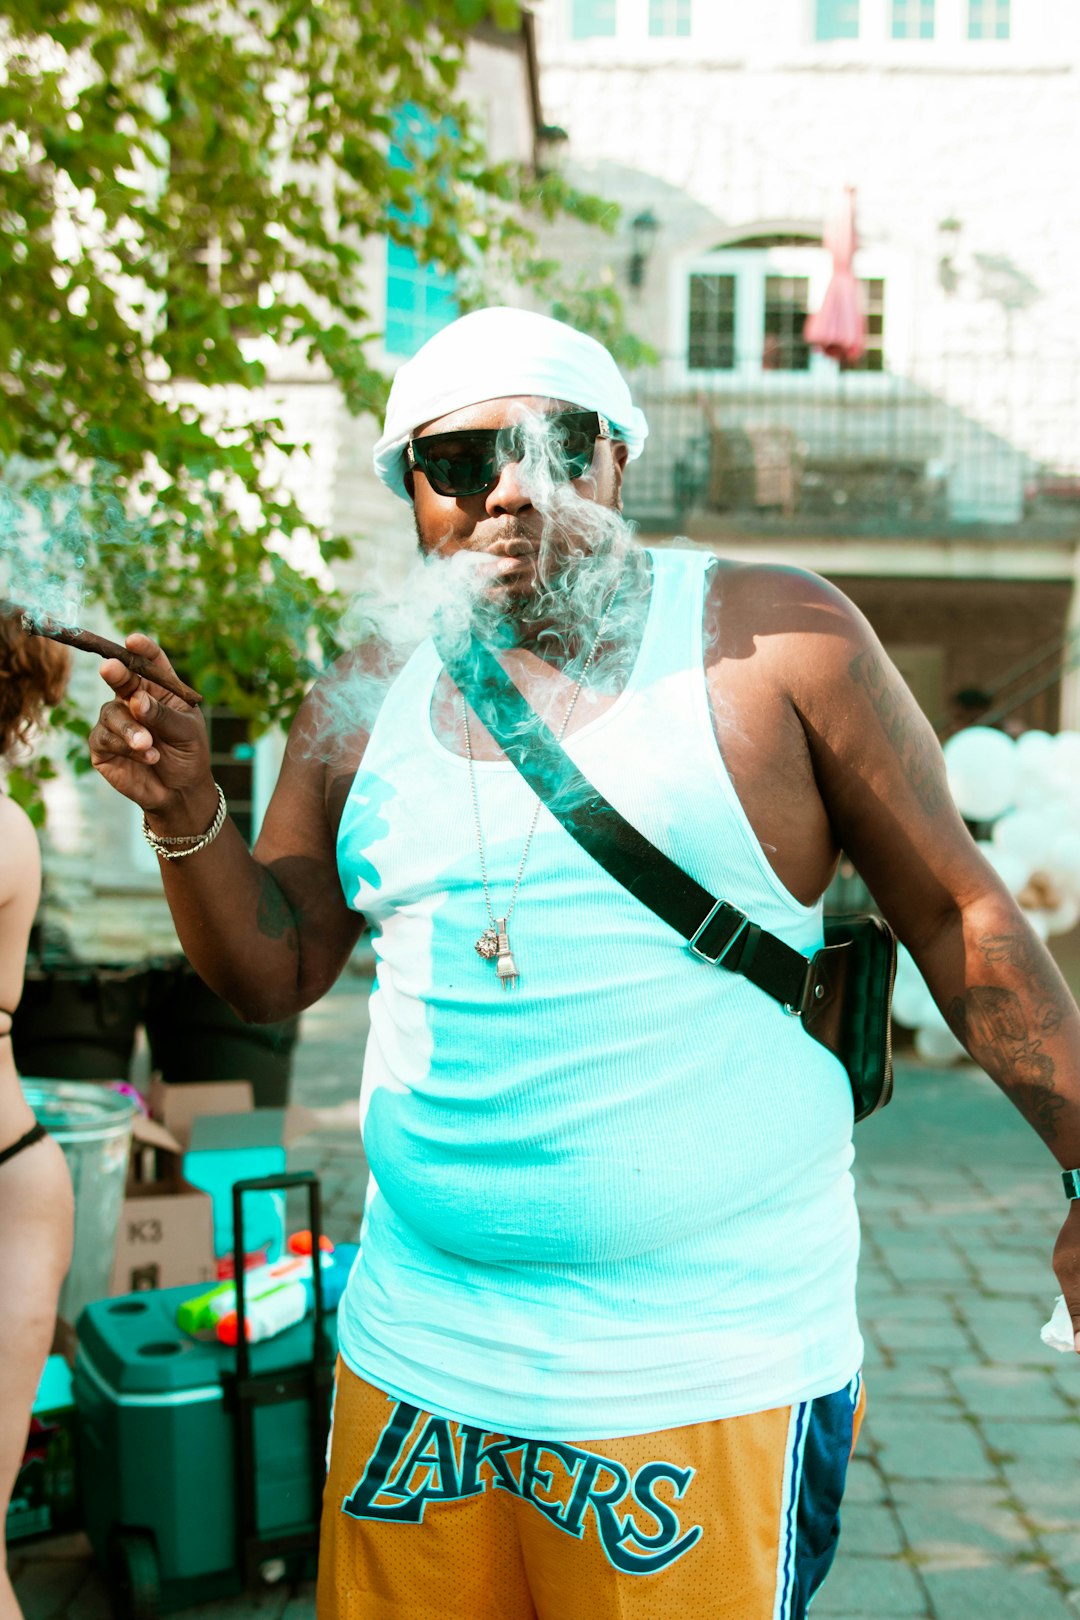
column 882, row 778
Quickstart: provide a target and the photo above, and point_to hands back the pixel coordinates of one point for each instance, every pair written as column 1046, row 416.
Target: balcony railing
column 957, row 445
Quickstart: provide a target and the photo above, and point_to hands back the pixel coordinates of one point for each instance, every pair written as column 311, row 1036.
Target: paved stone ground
column 964, row 1498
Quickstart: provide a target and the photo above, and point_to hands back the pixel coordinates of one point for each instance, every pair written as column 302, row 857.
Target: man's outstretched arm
column 882, row 777
column 268, row 930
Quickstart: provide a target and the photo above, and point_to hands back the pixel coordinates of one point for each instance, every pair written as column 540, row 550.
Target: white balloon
column 1022, row 833
column 1065, row 766
column 1012, row 869
column 1067, row 742
column 982, row 771
column 938, row 1045
column 1033, row 745
column 1062, row 859
column 1034, row 767
column 912, row 1002
column 1064, row 918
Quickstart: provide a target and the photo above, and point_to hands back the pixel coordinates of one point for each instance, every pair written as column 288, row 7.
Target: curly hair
column 33, row 675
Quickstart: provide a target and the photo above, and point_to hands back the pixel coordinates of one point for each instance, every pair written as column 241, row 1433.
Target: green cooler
column 201, row 1466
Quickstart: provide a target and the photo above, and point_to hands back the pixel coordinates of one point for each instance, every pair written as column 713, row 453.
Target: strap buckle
column 740, row 928
column 809, row 992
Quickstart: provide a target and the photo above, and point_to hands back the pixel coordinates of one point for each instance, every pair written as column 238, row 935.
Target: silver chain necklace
column 494, row 942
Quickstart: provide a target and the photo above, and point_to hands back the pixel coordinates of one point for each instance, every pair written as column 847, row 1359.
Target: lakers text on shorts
column 425, row 1518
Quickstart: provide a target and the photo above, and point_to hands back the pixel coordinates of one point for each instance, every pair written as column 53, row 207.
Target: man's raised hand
column 148, row 744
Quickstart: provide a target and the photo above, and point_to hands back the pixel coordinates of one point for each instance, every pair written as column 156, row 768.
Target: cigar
column 87, row 641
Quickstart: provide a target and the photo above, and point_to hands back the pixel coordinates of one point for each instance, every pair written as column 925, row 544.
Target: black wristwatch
column 1071, row 1178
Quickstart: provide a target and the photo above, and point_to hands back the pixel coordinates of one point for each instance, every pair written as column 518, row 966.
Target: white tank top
column 617, row 1198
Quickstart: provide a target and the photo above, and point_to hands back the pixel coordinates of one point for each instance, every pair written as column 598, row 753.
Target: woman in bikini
column 35, row 1189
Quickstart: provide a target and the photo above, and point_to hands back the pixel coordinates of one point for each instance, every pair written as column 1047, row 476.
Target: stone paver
column 934, row 1448
column 995, row 1592
column 909, row 1380
column 946, row 1528
column 863, row 1587
column 1009, row 1392
column 871, row 1528
column 1007, row 1330
column 963, row 1500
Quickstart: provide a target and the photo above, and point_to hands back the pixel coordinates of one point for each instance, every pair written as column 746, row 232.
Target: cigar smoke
column 584, row 559
column 43, row 555
column 42, row 549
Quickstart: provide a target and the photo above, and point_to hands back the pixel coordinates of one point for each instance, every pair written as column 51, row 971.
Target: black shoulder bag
column 842, row 994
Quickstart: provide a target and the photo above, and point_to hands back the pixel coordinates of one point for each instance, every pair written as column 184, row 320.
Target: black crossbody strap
column 716, row 932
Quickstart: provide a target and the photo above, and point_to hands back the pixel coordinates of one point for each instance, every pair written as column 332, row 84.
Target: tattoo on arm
column 914, row 749
column 274, row 917
column 1005, row 1030
column 1023, row 954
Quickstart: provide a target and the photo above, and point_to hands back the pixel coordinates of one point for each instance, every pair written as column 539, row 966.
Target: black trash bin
column 194, row 1035
column 78, row 1020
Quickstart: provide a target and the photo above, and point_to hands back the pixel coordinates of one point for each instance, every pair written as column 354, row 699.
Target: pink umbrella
column 839, row 326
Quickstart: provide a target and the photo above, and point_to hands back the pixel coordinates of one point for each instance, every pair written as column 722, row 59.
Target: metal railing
column 957, row 444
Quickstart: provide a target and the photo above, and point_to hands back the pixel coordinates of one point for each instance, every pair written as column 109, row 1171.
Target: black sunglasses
column 469, row 462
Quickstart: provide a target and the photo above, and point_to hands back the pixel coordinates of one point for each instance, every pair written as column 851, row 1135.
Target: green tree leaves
column 185, row 188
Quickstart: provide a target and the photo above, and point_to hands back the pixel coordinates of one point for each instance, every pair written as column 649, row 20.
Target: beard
column 543, row 577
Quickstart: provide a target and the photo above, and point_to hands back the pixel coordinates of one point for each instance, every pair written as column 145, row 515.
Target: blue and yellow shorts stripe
column 425, row 1518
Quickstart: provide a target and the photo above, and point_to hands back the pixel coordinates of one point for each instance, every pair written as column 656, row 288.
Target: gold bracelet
column 194, row 841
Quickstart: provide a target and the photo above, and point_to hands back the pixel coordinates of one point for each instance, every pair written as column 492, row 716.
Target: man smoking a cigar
column 600, row 1354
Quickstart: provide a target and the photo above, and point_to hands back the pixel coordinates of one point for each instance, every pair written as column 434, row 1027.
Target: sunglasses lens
column 576, row 451
column 464, row 465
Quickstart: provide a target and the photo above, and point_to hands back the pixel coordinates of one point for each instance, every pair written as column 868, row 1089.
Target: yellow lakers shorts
column 425, row 1518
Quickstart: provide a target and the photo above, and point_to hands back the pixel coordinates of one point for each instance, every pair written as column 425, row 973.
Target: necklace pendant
column 487, row 945
column 506, row 967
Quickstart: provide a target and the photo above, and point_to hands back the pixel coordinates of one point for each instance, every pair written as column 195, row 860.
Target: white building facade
column 951, row 456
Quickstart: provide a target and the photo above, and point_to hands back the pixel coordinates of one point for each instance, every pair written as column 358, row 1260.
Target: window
column 592, row 19
column 669, row 18
column 988, row 19
column 873, row 291
column 836, row 19
column 787, row 304
column 420, row 298
column 912, row 19
column 712, row 323
column 747, row 305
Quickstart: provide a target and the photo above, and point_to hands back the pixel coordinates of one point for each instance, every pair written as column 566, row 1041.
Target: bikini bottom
column 34, row 1134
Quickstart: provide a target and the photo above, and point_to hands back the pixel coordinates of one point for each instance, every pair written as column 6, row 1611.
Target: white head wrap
column 502, row 354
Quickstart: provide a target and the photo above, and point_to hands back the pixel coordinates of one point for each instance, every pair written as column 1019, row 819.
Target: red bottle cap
column 300, row 1243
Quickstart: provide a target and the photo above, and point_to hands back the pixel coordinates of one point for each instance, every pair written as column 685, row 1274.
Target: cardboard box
column 227, row 1148
column 166, row 1232
column 170, row 1228
column 177, row 1107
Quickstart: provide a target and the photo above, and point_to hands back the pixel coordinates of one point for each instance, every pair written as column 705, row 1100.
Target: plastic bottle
column 269, row 1314
column 203, row 1313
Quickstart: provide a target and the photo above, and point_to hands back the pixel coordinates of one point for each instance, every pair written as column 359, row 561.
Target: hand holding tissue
column 1058, row 1332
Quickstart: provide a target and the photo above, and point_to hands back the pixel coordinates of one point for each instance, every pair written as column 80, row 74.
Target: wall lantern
column 948, row 272
column 643, row 229
column 550, row 143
